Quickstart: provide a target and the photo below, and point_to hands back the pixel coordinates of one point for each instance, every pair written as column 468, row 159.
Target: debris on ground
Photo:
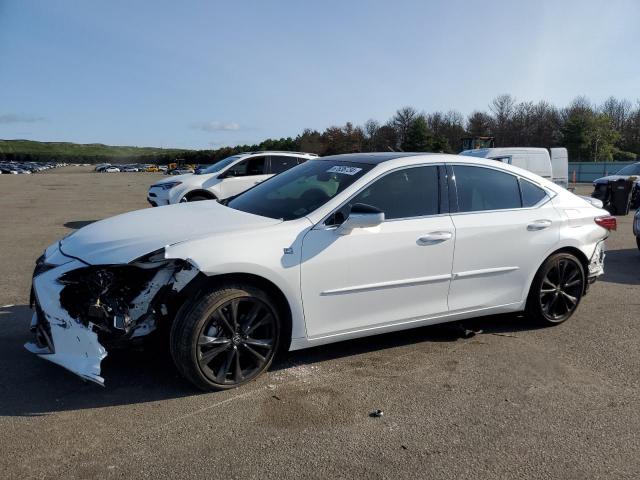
column 376, row 414
column 465, row 331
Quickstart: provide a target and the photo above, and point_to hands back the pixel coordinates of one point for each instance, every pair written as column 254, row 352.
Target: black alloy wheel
column 237, row 341
column 557, row 289
column 226, row 338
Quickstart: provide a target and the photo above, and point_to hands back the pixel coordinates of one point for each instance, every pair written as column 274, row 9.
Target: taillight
column 608, row 221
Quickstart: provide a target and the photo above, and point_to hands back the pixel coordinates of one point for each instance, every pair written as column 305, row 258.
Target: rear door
column 281, row 163
column 505, row 226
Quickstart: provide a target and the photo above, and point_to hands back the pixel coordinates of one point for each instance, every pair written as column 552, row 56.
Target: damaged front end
column 82, row 310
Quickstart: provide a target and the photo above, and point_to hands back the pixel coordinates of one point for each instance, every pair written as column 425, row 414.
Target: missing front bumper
column 59, row 338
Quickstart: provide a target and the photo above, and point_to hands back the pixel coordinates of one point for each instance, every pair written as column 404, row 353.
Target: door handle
column 434, row 237
column 539, row 225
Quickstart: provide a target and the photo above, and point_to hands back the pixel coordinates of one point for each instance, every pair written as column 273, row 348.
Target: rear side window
column 485, row 189
column 531, row 194
column 282, row 163
column 411, row 192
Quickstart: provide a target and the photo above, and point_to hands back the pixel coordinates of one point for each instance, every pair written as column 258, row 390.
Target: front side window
column 485, row 189
column 251, row 166
column 406, row 193
column 300, row 190
column 531, row 194
column 220, row 164
column 281, row 163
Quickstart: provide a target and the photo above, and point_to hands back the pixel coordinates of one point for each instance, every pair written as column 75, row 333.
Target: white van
column 536, row 160
column 560, row 166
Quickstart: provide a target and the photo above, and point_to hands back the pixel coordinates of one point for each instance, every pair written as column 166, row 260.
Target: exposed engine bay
column 82, row 310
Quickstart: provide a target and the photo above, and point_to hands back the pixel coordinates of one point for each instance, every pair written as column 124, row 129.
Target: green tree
column 418, row 137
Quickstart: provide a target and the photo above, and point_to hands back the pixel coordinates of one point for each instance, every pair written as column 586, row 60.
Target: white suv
column 225, row 178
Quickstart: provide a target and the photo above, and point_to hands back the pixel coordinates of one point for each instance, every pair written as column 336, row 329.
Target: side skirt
column 301, row 343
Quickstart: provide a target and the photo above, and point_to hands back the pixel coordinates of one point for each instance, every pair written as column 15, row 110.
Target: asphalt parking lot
column 513, row 402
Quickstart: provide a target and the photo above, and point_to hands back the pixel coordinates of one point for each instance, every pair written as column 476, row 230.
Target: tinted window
column 485, row 189
column 411, row 192
column 300, row 190
column 281, row 163
column 251, row 166
column 220, row 164
column 531, row 194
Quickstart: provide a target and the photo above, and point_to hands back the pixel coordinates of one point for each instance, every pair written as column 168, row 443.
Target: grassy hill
column 26, row 150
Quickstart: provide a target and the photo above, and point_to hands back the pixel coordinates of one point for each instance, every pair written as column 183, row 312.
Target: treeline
column 610, row 131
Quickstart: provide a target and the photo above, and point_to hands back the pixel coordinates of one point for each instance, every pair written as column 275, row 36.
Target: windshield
column 300, row 190
column 630, row 170
column 220, row 164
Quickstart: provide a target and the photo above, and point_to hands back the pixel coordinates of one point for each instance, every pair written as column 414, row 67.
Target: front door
column 244, row 175
column 396, row 272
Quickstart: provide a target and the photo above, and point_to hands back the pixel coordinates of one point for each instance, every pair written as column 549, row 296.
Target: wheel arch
column 198, row 192
column 208, row 283
column 576, row 252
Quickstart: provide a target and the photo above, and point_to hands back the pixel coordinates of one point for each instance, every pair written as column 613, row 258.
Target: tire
column 638, row 242
column 226, row 337
column 556, row 289
column 198, row 198
column 635, row 198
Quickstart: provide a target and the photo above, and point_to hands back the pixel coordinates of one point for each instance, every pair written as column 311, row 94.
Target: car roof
column 373, row 158
column 278, row 152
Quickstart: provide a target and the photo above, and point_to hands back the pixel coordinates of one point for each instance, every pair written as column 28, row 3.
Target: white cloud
column 17, row 118
column 215, row 126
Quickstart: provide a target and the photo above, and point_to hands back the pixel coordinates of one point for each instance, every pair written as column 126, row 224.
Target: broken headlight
column 102, row 295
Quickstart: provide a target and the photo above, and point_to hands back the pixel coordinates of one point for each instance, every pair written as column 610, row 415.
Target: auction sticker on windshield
column 344, row 170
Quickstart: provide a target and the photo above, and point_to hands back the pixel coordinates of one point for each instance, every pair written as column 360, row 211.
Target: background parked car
column 630, row 172
column 636, row 227
column 225, row 178
column 180, row 171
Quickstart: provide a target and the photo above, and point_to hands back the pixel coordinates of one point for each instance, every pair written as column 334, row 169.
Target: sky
column 204, row 74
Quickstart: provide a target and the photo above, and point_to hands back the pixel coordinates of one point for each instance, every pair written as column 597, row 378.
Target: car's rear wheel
column 557, row 289
column 226, row 338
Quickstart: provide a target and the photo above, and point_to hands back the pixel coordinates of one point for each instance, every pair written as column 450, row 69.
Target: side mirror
column 227, row 174
column 361, row 216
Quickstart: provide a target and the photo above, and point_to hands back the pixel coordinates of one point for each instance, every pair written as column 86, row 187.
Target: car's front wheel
column 557, row 289
column 197, row 198
column 226, row 338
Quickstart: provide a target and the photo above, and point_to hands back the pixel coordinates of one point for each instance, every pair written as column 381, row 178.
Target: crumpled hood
column 125, row 237
column 613, row 178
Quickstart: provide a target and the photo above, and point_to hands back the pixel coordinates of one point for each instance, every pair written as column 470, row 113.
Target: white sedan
column 337, row 248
